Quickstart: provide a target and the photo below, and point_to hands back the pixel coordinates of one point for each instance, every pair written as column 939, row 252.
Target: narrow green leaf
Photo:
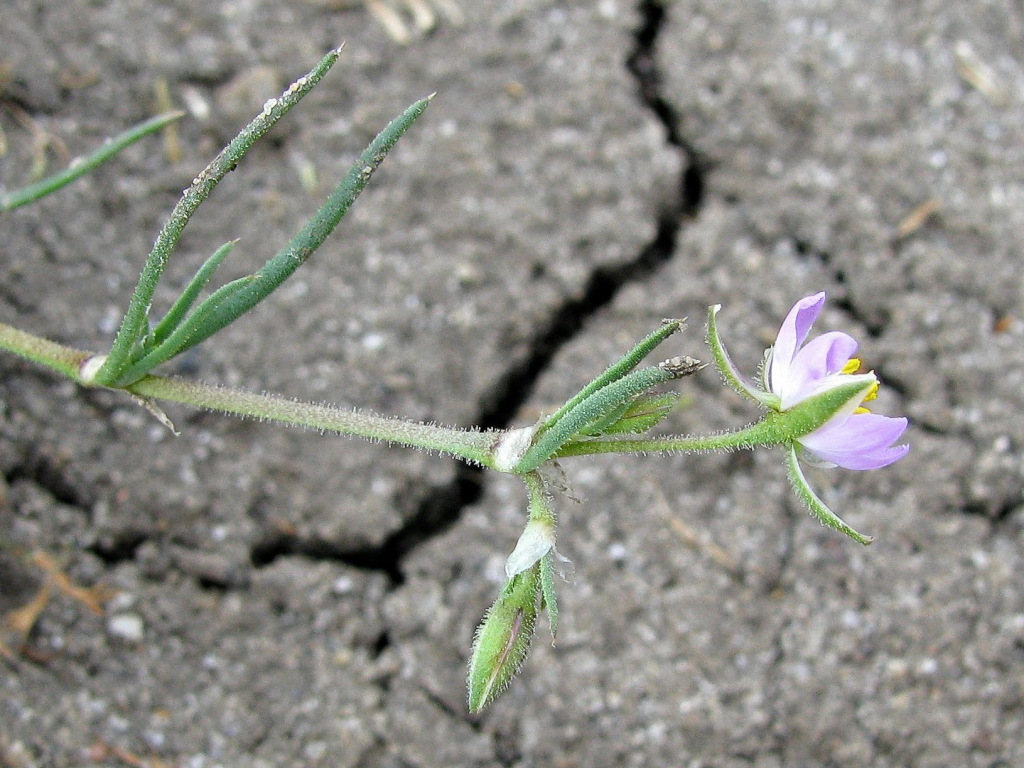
column 595, row 406
column 181, row 337
column 603, row 424
column 81, row 166
column 618, row 369
column 188, row 296
column 645, row 412
column 315, row 231
column 216, row 315
column 135, row 325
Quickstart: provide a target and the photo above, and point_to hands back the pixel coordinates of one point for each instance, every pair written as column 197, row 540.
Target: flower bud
column 504, row 637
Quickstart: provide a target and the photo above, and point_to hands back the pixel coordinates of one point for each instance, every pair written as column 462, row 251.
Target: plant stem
column 761, row 433
column 470, row 445
column 65, row 360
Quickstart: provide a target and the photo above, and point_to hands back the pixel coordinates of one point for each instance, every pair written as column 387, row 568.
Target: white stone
column 126, row 626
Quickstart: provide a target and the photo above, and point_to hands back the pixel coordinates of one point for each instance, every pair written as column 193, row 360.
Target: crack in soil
column 642, row 64
column 51, row 474
column 442, row 506
column 439, row 508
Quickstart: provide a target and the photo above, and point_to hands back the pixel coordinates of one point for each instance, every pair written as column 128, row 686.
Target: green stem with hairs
column 64, row 360
column 763, row 433
column 472, row 446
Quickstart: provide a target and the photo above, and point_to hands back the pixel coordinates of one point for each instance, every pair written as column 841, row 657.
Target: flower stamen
column 852, row 365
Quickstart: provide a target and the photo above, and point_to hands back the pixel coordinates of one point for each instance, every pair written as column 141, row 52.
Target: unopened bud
column 683, row 365
column 503, row 640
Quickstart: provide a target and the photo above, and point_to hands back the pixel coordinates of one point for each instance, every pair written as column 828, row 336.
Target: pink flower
column 853, row 438
column 814, row 400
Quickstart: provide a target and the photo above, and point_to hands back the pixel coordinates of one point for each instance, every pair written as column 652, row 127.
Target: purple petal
column 882, row 457
column 824, row 356
column 860, row 431
column 830, row 352
column 791, row 335
column 861, row 441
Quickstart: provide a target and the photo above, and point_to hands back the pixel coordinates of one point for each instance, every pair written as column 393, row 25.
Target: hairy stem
column 761, row 433
column 65, row 360
column 470, row 445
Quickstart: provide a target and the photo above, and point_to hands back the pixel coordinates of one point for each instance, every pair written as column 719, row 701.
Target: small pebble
column 126, row 626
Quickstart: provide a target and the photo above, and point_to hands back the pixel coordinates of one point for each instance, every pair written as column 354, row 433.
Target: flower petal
column 826, row 354
column 536, row 541
column 863, row 430
column 791, row 335
column 821, row 357
column 861, row 441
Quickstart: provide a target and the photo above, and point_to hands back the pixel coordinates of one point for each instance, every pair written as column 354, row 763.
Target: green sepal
column 547, row 588
column 817, row 410
column 730, row 373
column 503, row 639
column 814, row 504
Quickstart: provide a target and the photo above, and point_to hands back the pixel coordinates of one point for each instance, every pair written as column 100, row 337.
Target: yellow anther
column 872, row 393
column 852, row 365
